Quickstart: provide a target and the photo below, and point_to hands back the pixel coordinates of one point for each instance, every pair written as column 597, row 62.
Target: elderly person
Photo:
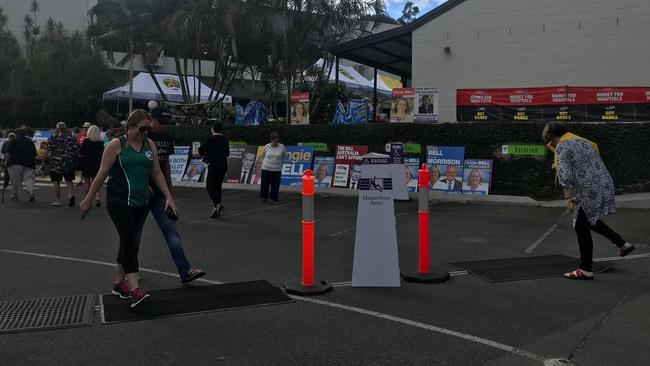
column 272, row 158
column 62, row 154
column 21, row 162
column 588, row 191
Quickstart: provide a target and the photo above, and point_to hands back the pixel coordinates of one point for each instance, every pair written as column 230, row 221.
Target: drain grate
column 46, row 313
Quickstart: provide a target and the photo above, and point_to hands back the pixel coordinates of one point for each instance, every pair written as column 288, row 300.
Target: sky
column 395, row 7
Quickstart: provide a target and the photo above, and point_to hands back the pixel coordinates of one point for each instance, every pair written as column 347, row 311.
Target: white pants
column 19, row 175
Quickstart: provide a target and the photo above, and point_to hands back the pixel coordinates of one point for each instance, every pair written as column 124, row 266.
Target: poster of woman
column 300, row 108
column 194, row 171
column 477, row 176
column 323, row 167
column 402, row 105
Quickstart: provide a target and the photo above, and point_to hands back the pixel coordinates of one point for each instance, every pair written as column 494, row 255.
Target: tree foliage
column 9, row 54
column 409, row 13
column 273, row 41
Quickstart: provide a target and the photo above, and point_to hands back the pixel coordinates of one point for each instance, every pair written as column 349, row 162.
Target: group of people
column 137, row 165
column 64, row 154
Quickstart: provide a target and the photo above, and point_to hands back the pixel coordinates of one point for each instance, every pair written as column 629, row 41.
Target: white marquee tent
column 145, row 89
column 353, row 80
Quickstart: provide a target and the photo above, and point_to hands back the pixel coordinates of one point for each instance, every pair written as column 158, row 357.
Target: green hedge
column 625, row 148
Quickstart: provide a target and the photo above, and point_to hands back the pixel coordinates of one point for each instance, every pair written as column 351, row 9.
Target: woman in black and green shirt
column 128, row 160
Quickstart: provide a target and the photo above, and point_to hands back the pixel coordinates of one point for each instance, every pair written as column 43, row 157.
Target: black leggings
column 213, row 183
column 583, row 231
column 270, row 178
column 128, row 221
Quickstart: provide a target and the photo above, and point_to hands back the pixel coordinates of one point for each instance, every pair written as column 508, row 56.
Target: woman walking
column 588, row 191
column 129, row 162
column 90, row 158
column 215, row 151
column 272, row 157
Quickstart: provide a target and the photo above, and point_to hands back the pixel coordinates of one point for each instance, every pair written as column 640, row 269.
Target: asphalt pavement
column 47, row 252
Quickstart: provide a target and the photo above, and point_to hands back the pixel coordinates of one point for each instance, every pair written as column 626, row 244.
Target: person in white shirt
column 272, row 158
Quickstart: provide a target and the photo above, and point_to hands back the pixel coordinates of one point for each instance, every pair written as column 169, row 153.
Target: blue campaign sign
column 446, row 166
column 297, row 159
column 477, row 177
column 42, row 135
column 181, row 150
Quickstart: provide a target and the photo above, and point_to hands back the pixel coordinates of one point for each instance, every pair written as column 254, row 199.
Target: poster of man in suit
column 426, row 99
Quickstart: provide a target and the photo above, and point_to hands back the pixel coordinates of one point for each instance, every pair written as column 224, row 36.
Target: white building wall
column 528, row 43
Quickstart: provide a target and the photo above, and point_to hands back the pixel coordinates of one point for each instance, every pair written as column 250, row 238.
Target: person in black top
column 215, row 151
column 156, row 204
column 90, row 158
column 21, row 162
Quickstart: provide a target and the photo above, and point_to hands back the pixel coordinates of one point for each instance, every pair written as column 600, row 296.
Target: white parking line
column 270, row 207
column 546, row 234
column 372, row 313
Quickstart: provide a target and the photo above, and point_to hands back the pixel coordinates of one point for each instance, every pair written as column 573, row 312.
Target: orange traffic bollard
column 307, row 285
column 425, row 273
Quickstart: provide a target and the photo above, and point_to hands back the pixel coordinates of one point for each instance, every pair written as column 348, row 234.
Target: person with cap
column 62, row 154
column 156, row 204
column 20, row 158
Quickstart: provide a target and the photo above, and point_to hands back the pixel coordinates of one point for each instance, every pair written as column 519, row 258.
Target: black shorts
column 58, row 177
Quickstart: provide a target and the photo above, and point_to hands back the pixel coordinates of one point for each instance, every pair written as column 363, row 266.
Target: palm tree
column 133, row 26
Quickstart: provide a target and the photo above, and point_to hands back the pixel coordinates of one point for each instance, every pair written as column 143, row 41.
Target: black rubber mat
column 525, row 268
column 193, row 300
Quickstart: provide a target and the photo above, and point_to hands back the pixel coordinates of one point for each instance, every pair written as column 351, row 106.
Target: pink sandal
column 578, row 274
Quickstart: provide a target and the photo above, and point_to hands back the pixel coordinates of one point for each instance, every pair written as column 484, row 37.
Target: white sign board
column 375, row 247
column 177, row 164
column 398, row 172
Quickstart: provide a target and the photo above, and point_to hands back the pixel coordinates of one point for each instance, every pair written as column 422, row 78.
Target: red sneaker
column 138, row 297
column 120, row 289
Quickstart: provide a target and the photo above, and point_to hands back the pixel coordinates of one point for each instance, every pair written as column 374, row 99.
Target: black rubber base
column 435, row 275
column 295, row 287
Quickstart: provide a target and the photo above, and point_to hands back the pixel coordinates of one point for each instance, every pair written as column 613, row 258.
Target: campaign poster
column 426, row 108
column 446, row 163
column 477, row 177
column 194, row 171
column 247, row 171
column 195, row 149
column 402, row 105
column 411, row 171
column 233, row 175
column 296, row 160
column 177, row 165
column 181, row 150
column 323, row 171
column 347, row 165
column 300, row 108
column 257, row 172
